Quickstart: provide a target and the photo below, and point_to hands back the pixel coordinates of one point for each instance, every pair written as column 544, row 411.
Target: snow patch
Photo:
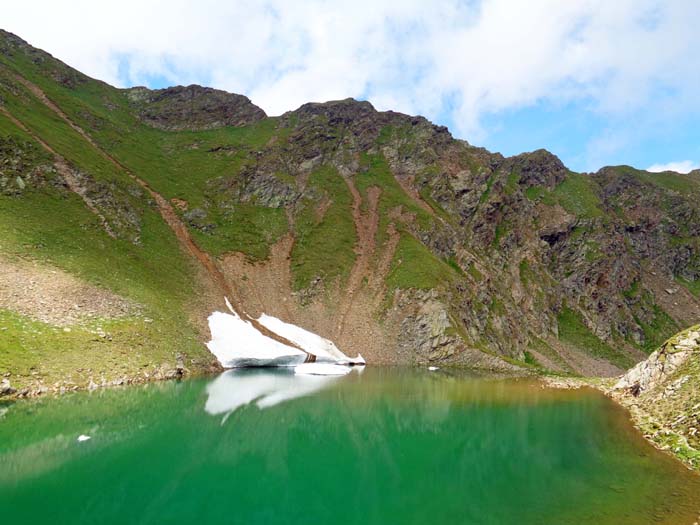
column 237, row 343
column 324, row 349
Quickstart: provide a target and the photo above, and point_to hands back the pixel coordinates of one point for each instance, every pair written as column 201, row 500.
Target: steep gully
column 164, row 207
column 366, row 227
column 372, row 263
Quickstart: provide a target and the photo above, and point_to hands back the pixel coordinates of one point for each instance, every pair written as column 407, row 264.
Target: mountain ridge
column 375, row 229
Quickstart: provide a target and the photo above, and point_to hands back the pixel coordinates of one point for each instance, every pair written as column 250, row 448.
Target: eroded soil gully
column 165, row 208
column 366, row 226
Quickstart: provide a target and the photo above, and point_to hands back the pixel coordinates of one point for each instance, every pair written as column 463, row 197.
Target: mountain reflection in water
column 388, row 445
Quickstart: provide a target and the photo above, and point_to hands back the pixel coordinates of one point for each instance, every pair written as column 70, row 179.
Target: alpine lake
column 376, row 446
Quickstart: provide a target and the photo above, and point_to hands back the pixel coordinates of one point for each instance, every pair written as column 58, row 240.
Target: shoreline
column 168, row 372
column 652, row 429
column 163, row 372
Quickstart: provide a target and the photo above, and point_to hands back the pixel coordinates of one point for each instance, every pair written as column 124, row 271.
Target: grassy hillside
column 42, row 221
column 399, row 237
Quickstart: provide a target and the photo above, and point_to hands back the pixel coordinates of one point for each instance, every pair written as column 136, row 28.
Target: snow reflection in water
column 264, row 387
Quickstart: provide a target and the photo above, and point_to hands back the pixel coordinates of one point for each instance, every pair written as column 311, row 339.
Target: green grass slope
column 465, row 221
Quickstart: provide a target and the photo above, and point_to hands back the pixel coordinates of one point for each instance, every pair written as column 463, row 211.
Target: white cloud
column 452, row 61
column 681, row 166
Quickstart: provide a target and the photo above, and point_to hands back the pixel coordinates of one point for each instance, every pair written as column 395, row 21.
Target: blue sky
column 596, row 82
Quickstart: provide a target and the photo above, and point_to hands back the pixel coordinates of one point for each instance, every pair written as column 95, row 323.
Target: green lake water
column 385, row 446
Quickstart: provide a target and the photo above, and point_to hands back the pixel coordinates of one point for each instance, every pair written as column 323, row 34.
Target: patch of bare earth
column 366, row 225
column 53, row 296
column 358, row 323
column 266, row 287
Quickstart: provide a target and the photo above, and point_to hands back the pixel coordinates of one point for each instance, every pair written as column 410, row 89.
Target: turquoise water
column 385, row 446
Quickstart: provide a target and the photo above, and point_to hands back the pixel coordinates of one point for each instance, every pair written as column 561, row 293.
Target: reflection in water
column 266, row 387
column 387, row 446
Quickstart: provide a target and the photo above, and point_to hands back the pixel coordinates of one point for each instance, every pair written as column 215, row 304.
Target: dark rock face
column 193, row 108
column 539, row 168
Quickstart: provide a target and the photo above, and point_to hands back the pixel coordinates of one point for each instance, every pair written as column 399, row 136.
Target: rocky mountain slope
column 375, row 229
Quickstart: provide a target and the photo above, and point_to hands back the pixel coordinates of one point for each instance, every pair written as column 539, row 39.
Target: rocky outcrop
column 192, row 108
column 25, row 167
column 662, row 363
column 662, row 394
column 427, row 330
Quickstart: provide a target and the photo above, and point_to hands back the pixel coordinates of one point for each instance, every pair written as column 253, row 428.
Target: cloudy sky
column 597, row 82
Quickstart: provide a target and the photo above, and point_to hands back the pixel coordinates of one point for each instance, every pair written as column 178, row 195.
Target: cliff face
column 376, row 229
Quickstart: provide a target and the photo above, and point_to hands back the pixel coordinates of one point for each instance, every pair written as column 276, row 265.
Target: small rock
column 6, row 388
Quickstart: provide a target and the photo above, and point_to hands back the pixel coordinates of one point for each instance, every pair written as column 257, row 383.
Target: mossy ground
column 574, row 332
column 414, row 266
column 37, row 353
column 692, row 286
column 324, row 246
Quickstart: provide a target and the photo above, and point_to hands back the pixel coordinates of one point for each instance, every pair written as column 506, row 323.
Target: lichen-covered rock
column 265, row 189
